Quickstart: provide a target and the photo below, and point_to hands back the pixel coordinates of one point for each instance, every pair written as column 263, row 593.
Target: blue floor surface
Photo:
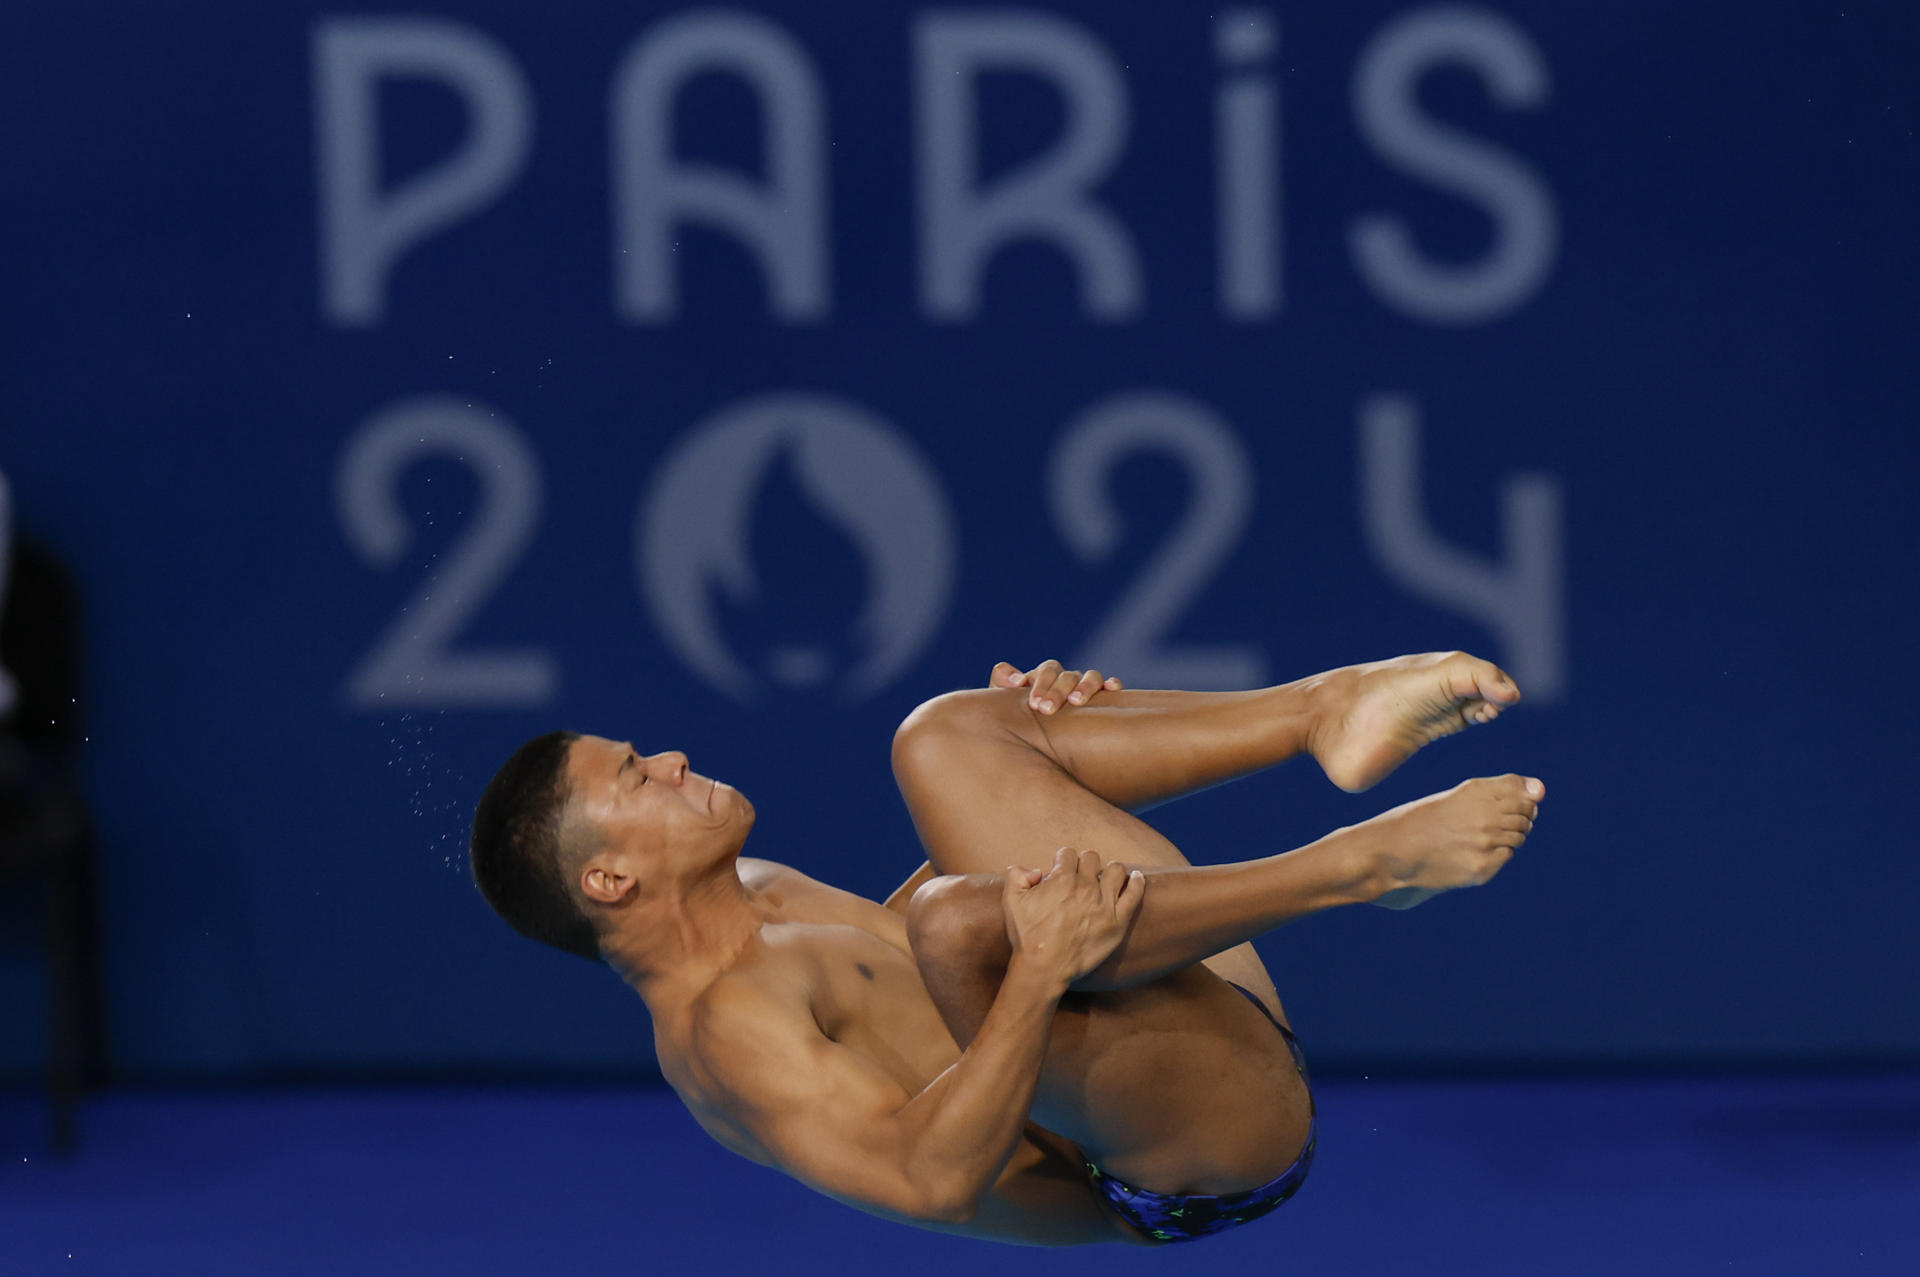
column 1808, row 1177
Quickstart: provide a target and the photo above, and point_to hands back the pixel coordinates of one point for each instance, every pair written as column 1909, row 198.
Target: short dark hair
column 518, row 861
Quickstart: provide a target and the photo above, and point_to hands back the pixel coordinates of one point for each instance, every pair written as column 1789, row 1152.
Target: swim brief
column 1185, row 1217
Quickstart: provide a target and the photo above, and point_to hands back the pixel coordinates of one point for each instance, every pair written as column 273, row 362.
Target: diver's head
column 573, row 830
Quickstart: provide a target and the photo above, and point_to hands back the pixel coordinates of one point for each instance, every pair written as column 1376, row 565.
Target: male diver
column 1065, row 1036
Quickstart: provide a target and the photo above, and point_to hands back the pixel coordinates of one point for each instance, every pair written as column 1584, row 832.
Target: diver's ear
column 607, row 883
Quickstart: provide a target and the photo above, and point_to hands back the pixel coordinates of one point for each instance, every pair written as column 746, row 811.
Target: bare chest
column 866, row 994
column 862, row 983
column 849, row 960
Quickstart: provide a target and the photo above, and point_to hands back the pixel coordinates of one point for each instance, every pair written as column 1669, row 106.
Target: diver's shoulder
column 760, row 874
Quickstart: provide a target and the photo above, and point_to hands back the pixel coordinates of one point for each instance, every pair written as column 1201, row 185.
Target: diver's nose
column 675, row 763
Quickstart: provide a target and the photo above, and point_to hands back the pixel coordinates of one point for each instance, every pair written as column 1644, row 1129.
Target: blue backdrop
column 403, row 383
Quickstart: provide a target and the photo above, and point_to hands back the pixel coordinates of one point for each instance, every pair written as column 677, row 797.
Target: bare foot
column 1377, row 715
column 1460, row 838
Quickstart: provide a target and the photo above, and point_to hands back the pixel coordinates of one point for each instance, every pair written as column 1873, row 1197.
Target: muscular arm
column 833, row 1119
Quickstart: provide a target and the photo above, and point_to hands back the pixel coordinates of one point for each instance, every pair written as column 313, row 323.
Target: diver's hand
column 1052, row 686
column 1068, row 920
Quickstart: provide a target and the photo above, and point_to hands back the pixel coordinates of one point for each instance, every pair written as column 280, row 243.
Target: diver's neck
column 672, row 948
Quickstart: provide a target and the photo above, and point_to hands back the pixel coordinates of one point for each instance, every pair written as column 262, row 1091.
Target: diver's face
column 654, row 804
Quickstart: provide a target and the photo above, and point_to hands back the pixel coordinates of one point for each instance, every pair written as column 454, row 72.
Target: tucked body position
column 1056, row 1032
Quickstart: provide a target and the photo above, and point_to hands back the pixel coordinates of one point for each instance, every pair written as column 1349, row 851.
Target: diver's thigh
column 983, row 799
column 1175, row 1085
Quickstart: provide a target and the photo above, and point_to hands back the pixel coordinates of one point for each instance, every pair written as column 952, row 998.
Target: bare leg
column 1164, row 1077
column 990, row 784
column 986, row 790
column 1138, row 748
column 1176, row 1085
column 1459, row 838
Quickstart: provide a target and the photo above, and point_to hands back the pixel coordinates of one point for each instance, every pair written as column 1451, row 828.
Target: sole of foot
column 1380, row 714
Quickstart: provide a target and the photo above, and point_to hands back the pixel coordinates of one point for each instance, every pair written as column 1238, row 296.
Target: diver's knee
column 957, row 918
column 928, row 737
